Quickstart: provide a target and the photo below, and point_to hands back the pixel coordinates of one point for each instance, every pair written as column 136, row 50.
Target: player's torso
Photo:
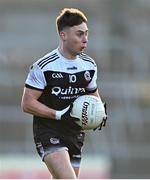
column 65, row 81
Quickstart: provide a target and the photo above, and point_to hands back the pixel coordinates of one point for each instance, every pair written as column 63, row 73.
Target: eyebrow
column 82, row 31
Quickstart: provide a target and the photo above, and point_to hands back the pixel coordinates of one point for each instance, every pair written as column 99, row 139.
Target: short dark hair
column 69, row 17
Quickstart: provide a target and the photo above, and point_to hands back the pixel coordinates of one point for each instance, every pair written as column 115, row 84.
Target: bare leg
column 77, row 171
column 59, row 165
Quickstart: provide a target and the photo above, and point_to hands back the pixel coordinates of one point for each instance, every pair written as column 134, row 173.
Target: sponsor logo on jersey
column 87, row 76
column 57, row 75
column 54, row 140
column 58, row 91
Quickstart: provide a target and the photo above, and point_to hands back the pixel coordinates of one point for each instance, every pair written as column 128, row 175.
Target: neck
column 65, row 53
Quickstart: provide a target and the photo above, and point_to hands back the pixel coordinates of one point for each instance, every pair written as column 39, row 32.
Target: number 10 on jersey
column 72, row 78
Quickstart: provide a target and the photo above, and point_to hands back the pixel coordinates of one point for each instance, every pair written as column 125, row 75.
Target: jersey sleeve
column 35, row 78
column 92, row 86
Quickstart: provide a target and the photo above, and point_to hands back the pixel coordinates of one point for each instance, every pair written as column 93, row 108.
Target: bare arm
column 31, row 105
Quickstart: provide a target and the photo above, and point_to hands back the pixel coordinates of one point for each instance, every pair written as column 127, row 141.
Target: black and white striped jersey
column 62, row 80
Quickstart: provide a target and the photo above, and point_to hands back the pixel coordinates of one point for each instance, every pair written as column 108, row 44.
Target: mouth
column 83, row 48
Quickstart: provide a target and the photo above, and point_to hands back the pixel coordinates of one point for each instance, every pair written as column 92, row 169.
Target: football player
column 53, row 83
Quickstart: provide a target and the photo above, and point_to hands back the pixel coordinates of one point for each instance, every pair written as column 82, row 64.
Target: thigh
column 54, row 152
column 59, row 165
column 68, row 147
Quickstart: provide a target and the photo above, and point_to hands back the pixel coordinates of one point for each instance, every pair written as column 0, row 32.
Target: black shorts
column 53, row 142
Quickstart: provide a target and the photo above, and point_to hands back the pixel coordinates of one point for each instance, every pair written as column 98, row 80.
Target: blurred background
column 119, row 41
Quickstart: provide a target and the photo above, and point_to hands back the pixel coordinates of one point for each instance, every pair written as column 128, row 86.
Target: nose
column 85, row 39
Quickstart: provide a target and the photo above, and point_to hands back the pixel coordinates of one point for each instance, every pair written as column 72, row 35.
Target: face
column 75, row 39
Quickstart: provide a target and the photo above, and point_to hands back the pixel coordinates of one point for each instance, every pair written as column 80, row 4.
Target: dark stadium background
column 119, row 41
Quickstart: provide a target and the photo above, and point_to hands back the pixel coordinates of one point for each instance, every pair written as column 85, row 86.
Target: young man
column 53, row 83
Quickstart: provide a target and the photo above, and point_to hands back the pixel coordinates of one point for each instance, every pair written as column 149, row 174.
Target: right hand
column 65, row 114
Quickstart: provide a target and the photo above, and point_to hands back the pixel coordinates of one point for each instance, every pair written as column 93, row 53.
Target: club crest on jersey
column 87, row 76
column 54, row 140
column 57, row 75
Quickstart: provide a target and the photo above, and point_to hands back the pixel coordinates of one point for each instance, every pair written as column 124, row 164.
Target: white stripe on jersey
column 56, row 64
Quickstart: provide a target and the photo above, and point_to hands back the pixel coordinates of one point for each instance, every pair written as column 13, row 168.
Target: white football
column 90, row 110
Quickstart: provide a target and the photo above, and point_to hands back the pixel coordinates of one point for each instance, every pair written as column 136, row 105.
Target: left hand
column 103, row 123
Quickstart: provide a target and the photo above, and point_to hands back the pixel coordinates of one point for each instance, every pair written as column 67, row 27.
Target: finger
column 105, row 108
column 70, row 108
column 100, row 127
column 76, row 119
column 104, row 122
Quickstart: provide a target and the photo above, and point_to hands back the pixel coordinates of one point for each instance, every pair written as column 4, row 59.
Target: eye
column 79, row 34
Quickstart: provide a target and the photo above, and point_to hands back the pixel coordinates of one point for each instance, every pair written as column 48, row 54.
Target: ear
column 62, row 35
